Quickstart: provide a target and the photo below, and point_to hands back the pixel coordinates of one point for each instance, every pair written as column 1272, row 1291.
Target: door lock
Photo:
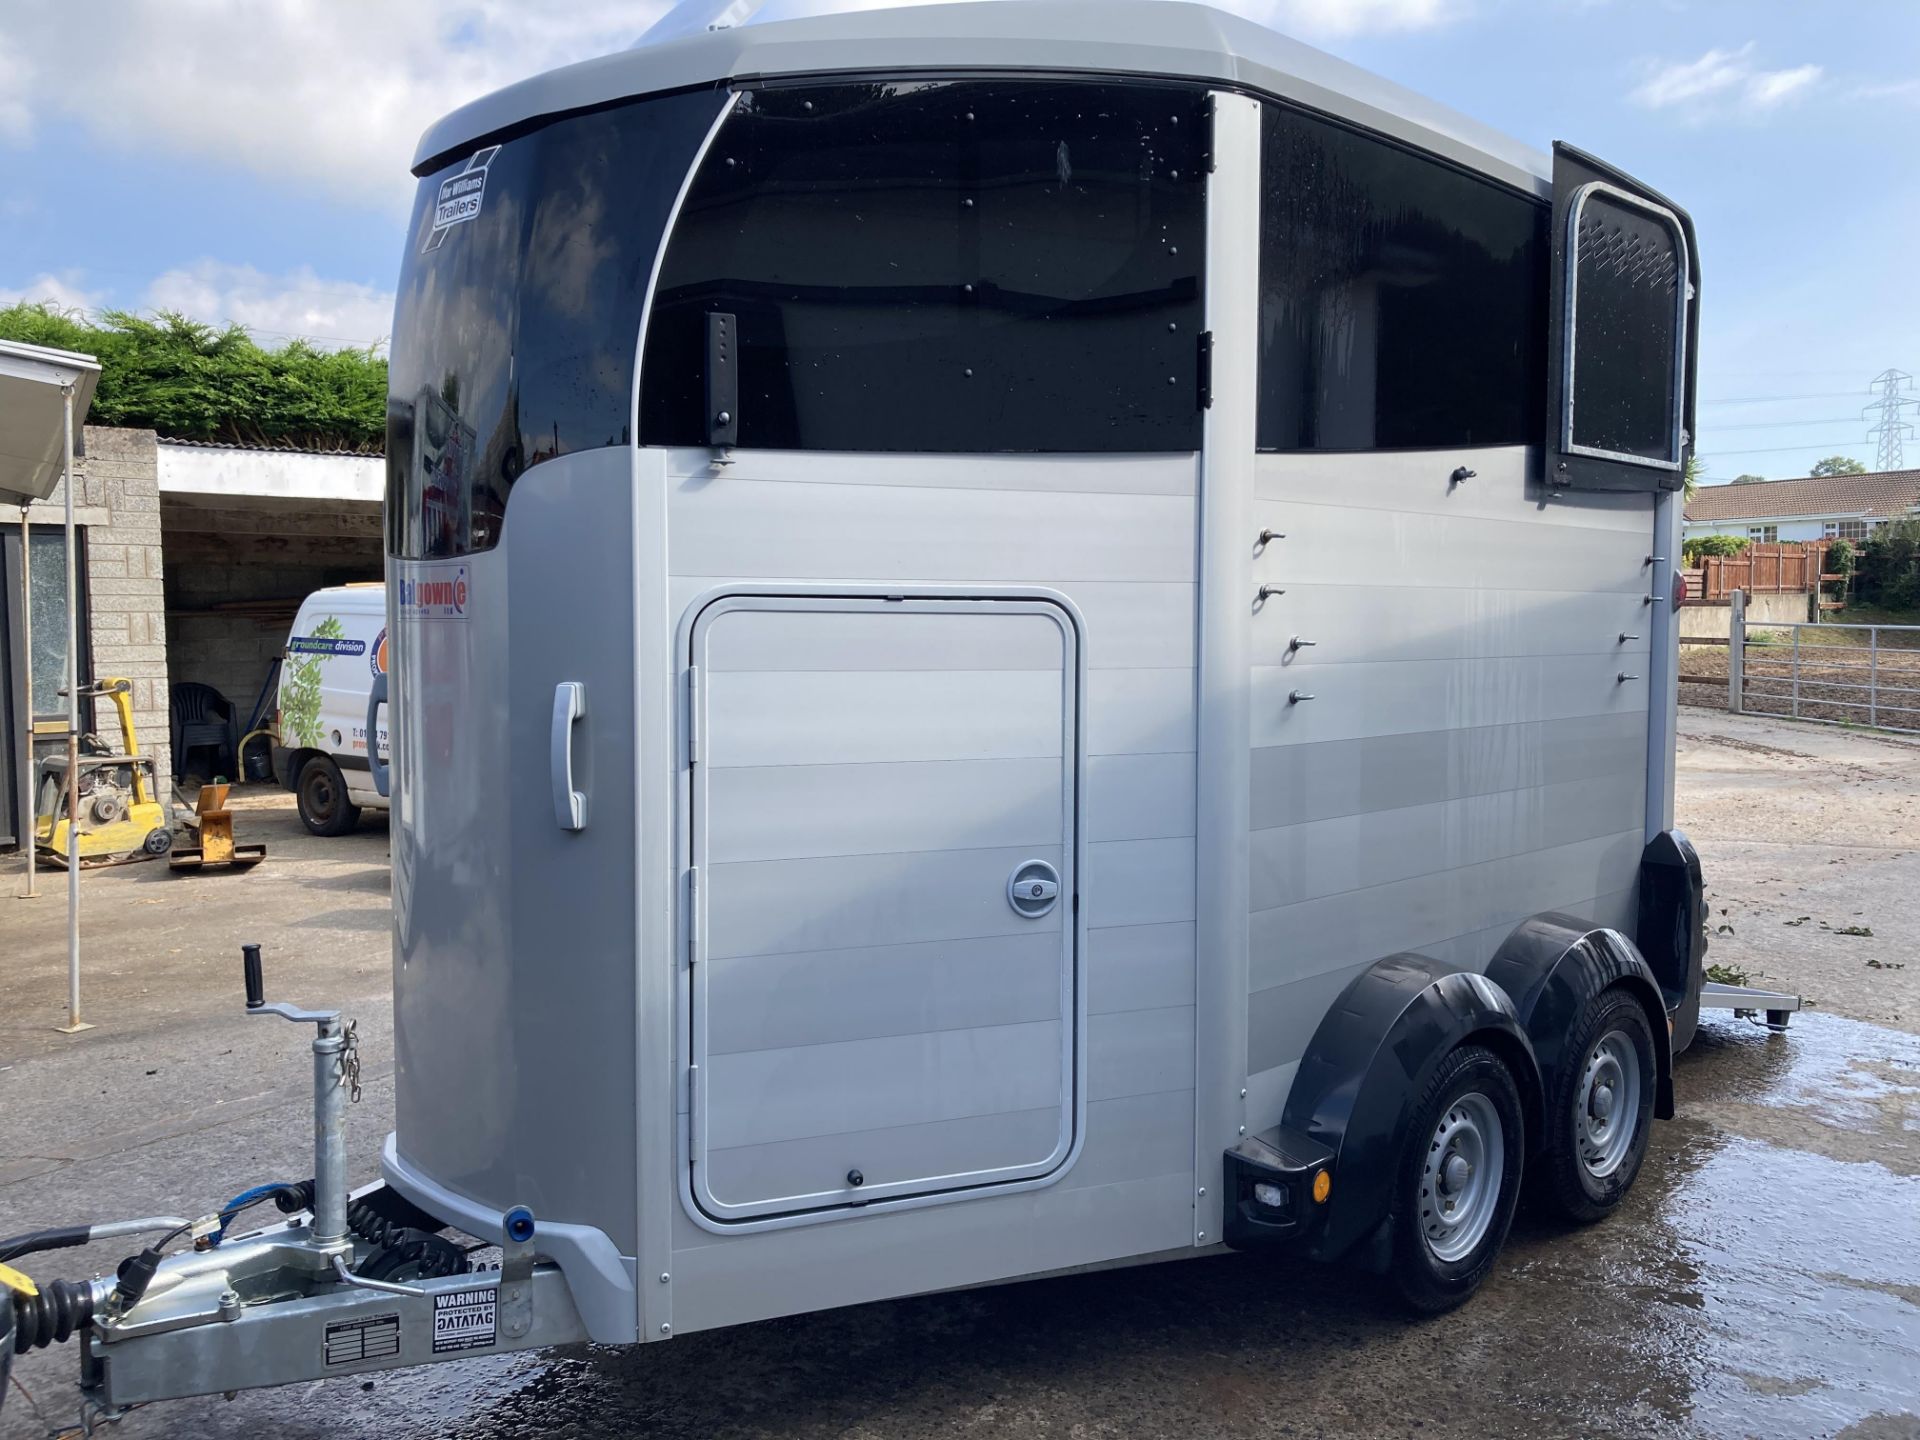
column 1033, row 889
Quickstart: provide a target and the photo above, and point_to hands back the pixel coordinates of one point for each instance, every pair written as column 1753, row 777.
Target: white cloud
column 329, row 313
column 332, row 93
column 64, row 290
column 1720, row 81
column 275, row 308
column 1770, row 88
column 16, row 76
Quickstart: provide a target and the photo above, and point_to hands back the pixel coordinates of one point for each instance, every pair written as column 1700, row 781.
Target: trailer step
column 1743, row 1000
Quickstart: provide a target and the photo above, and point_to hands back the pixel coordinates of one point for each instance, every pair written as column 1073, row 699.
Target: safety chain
column 350, row 1061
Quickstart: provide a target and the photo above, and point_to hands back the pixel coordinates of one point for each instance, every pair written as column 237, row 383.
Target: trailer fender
column 1671, row 929
column 1372, row 1055
column 1552, row 965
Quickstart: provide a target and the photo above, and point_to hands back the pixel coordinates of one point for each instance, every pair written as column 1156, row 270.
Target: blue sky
column 246, row 159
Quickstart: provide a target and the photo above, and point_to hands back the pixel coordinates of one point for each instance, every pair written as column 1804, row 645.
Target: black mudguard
column 1367, row 1064
column 1552, row 965
column 1672, row 928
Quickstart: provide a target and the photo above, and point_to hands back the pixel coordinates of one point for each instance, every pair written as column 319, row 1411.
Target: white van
column 332, row 682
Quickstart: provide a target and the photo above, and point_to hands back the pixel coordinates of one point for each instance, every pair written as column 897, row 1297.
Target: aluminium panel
column 871, row 990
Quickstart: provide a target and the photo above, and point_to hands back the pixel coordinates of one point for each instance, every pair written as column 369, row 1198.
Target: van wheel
column 1458, row 1180
column 322, row 796
column 1601, row 1115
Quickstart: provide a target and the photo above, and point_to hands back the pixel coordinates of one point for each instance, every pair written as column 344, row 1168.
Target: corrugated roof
column 1885, row 493
column 269, row 449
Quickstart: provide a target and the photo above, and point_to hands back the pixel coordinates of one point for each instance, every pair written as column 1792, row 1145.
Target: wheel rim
column 1460, row 1183
column 1606, row 1107
column 320, row 797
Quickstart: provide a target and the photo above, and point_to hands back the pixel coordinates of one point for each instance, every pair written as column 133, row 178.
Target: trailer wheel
column 322, row 799
column 1601, row 1114
column 1458, row 1180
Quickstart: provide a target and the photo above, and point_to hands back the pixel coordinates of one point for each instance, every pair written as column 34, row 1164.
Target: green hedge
column 1887, row 572
column 189, row 381
column 1692, row 550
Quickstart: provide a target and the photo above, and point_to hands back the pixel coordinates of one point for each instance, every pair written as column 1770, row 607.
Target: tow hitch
column 351, row 1283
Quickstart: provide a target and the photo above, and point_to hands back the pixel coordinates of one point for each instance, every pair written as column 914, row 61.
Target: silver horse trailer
column 1025, row 636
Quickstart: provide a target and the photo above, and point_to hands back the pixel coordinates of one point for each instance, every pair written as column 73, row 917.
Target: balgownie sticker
column 432, row 592
column 459, row 197
column 464, row 1320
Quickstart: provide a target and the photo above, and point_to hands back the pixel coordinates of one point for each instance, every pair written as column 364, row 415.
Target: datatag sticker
column 458, row 198
column 464, row 1320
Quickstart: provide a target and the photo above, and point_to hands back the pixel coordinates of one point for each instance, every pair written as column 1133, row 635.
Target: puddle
column 1840, row 1088
column 1763, row 1279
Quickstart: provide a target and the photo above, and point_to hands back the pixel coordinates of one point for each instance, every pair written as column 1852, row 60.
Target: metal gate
column 1831, row 673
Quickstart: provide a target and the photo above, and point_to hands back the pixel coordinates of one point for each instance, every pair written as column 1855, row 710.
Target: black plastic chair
column 204, row 719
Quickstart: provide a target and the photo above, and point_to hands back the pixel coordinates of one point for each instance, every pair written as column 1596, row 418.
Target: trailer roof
column 1162, row 38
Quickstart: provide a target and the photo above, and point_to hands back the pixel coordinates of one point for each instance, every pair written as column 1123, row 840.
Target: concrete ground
column 1762, row 1279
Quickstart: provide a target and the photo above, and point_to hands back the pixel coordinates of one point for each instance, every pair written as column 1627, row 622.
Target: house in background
column 1831, row 507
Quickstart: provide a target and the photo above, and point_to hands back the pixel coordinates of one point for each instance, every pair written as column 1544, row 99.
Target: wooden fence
column 1786, row 568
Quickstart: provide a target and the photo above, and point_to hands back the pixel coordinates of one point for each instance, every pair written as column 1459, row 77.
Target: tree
column 1749, row 480
column 1887, row 573
column 1699, row 545
column 1690, row 474
column 1837, row 465
column 300, row 688
column 188, row 381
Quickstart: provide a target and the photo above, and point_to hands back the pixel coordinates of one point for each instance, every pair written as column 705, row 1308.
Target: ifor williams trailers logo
column 459, row 198
column 438, row 596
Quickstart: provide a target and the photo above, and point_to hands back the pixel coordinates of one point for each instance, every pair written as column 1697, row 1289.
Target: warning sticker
column 464, row 1320
column 353, row 1342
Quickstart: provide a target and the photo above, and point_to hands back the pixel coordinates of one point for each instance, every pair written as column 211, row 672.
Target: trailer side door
column 885, row 978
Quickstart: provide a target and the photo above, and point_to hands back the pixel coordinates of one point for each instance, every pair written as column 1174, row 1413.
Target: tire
column 322, row 798
column 1443, row 1248
column 1588, row 1161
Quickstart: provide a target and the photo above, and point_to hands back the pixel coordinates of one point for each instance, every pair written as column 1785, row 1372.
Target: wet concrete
column 1763, row 1278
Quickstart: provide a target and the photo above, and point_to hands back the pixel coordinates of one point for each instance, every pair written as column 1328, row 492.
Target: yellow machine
column 120, row 819
column 214, row 824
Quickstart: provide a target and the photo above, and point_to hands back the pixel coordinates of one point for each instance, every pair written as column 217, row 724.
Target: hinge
column 693, row 714
column 693, row 914
column 693, row 1090
column 1203, row 370
column 1207, row 113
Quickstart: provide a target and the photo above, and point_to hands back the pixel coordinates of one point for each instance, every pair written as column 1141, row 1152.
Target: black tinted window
column 519, row 311
column 1626, row 318
column 921, row 266
column 1402, row 302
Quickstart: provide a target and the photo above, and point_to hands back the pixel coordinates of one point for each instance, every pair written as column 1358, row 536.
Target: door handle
column 569, row 804
column 376, row 697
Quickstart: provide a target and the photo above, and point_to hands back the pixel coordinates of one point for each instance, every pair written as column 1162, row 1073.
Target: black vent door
column 1623, row 330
